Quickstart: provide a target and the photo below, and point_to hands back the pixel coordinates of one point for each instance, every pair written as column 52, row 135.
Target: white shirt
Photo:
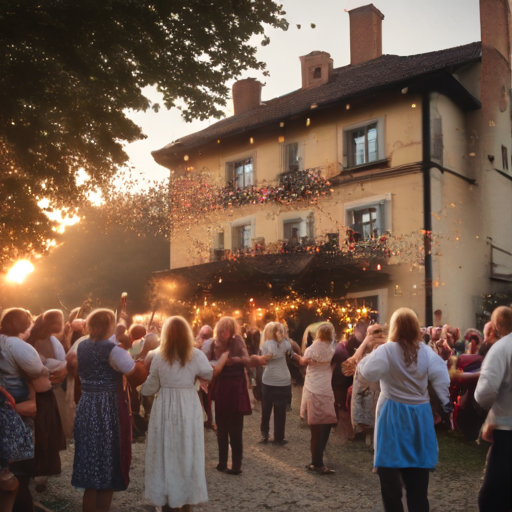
column 319, row 372
column 402, row 383
column 276, row 373
column 164, row 375
column 494, row 388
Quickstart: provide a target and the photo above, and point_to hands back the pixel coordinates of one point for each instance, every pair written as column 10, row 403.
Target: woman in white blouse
column 175, row 467
column 405, row 439
column 276, row 382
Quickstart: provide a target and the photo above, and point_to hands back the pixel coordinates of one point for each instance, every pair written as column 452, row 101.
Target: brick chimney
column 246, row 95
column 365, row 34
column 316, row 69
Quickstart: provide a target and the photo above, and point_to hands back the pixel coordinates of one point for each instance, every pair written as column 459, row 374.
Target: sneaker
column 264, row 440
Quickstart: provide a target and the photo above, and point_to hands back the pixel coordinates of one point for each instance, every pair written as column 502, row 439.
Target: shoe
column 264, row 440
column 234, row 471
column 221, row 468
column 281, row 443
column 325, row 471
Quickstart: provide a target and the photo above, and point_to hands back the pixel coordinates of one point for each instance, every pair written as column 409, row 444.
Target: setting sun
column 19, row 271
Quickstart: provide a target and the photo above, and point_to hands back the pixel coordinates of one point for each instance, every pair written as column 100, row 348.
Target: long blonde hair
column 176, row 341
column 229, row 324
column 405, row 330
column 269, row 332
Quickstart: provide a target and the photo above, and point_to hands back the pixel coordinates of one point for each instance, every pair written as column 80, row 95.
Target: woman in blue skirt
column 102, row 425
column 405, row 439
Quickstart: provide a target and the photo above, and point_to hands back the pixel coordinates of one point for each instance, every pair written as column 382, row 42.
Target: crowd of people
column 102, row 380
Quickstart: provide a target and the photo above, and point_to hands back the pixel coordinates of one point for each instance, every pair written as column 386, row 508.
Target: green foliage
column 69, row 71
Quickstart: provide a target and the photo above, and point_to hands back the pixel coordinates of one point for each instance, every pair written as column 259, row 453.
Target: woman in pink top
column 317, row 405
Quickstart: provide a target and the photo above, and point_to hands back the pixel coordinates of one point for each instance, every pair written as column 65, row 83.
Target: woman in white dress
column 175, row 467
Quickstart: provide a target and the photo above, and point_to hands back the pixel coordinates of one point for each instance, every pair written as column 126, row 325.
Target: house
column 415, row 152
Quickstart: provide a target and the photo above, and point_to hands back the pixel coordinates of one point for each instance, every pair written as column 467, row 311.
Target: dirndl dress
column 404, row 435
column 16, row 438
column 102, row 424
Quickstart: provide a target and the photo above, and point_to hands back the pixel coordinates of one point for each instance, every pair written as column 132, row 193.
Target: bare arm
column 220, row 363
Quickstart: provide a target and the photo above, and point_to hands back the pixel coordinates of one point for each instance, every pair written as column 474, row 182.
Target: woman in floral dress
column 102, row 425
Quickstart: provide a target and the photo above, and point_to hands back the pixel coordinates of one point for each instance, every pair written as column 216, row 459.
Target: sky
column 409, row 27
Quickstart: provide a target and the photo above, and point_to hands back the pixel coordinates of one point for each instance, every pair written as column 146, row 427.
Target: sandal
column 325, row 471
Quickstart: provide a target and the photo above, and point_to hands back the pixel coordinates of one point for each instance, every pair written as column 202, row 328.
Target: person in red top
column 229, row 357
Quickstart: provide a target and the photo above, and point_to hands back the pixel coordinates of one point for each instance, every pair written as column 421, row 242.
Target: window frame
column 307, row 225
column 382, row 202
column 346, row 143
column 229, row 167
column 240, row 223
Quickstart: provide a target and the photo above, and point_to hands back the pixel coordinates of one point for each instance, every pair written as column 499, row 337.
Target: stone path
column 274, row 477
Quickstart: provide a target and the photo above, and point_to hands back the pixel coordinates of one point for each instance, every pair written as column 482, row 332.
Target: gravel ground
column 274, row 477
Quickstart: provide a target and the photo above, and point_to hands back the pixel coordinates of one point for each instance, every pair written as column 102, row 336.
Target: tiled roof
column 346, row 82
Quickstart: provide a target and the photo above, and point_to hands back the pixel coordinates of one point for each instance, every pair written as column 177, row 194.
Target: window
column 317, row 73
column 219, row 243
column 504, row 157
column 292, row 157
column 218, row 252
column 299, row 230
column 369, row 217
column 240, row 173
column 363, row 143
column 242, row 237
column 291, row 231
column 365, row 221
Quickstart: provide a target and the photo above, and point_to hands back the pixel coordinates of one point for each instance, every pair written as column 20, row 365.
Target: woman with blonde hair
column 317, row 406
column 405, row 439
column 102, row 424
column 229, row 357
column 175, row 467
column 276, row 382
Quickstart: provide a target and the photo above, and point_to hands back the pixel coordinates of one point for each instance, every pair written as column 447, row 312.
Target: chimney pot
column 246, row 95
column 365, row 34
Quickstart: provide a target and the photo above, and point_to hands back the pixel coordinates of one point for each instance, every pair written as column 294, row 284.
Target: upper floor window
column 367, row 222
column 291, row 157
column 299, row 230
column 369, row 218
column 241, row 173
column 242, row 236
column 364, row 143
column 291, row 230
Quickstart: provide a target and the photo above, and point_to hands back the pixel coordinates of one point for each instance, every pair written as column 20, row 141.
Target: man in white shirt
column 494, row 392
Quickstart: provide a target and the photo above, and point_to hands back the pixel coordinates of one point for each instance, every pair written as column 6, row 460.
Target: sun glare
column 19, row 271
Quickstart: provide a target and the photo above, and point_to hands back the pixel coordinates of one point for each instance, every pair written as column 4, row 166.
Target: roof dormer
column 316, row 69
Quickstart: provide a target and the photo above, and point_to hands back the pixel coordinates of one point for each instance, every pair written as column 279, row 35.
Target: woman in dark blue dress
column 102, row 425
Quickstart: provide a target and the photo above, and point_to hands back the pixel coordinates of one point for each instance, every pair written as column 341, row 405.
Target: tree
column 70, row 70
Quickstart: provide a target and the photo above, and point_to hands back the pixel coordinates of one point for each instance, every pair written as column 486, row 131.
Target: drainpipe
column 427, row 208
